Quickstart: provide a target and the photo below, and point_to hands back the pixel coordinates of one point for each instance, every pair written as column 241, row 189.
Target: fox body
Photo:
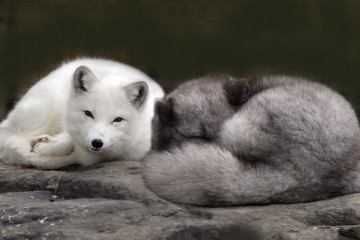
column 222, row 141
column 85, row 111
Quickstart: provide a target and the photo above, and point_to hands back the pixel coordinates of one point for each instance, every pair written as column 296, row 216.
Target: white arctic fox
column 85, row 111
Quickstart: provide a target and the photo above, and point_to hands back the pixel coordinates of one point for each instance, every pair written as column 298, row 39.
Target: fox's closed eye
column 89, row 114
column 118, row 119
column 191, row 135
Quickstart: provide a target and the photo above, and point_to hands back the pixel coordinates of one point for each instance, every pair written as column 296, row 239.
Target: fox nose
column 97, row 143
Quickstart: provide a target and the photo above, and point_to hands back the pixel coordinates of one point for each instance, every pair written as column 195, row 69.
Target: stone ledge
column 110, row 201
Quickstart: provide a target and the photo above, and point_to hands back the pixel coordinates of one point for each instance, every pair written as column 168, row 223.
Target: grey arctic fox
column 220, row 141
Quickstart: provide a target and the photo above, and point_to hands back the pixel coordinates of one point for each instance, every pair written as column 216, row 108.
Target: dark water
column 180, row 39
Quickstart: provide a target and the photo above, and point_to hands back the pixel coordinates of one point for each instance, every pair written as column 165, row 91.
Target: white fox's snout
column 97, row 145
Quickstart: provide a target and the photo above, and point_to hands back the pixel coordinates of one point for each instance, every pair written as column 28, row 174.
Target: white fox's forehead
column 105, row 102
column 113, row 81
column 110, row 88
column 109, row 97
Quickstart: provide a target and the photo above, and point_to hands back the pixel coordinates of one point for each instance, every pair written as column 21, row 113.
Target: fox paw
column 39, row 141
column 46, row 145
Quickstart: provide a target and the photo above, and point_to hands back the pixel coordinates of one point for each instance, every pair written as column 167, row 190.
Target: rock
column 110, row 201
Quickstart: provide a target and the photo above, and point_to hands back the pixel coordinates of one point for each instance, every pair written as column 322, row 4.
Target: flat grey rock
column 110, row 201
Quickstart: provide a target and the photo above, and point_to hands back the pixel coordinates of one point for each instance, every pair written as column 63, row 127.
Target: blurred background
column 176, row 40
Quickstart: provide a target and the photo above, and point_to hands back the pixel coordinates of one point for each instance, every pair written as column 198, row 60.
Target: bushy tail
column 2, row 139
column 13, row 148
column 208, row 175
column 18, row 150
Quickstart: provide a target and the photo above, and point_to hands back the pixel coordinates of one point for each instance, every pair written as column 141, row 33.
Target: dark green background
column 176, row 40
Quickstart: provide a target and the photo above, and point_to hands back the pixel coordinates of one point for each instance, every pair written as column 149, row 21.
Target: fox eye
column 89, row 114
column 118, row 119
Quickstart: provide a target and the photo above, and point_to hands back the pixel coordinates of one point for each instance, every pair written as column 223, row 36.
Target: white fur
column 48, row 127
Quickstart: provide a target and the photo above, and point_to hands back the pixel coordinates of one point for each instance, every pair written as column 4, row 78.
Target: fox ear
column 237, row 91
column 137, row 93
column 164, row 110
column 83, row 79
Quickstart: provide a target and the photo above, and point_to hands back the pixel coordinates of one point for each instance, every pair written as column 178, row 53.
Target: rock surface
column 110, row 201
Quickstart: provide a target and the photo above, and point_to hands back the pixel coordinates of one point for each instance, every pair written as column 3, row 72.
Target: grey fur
column 287, row 141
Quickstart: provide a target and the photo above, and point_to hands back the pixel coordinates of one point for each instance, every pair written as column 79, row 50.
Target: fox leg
column 51, row 162
column 59, row 145
column 43, row 151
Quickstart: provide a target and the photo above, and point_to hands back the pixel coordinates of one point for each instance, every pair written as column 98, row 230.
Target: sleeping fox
column 220, row 141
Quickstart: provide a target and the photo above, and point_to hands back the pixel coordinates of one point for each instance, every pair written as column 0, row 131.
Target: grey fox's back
column 224, row 141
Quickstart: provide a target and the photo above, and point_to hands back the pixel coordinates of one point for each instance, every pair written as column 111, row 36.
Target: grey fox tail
column 206, row 174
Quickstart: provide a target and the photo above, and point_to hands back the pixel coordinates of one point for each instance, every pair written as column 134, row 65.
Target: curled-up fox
column 220, row 141
column 87, row 110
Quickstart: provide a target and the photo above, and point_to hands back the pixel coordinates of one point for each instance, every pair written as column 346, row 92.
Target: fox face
column 196, row 110
column 103, row 114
